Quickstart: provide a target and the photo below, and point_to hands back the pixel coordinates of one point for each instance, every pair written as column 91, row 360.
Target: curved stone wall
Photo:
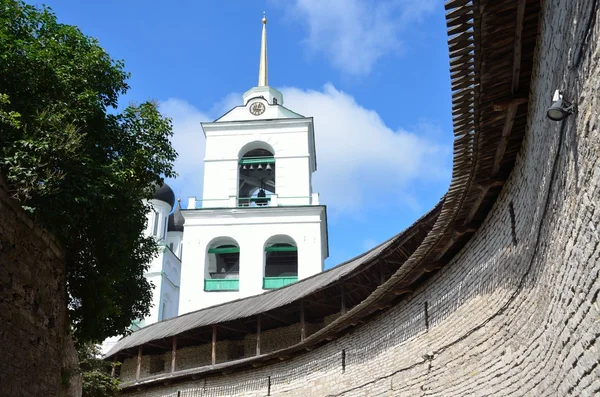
column 516, row 311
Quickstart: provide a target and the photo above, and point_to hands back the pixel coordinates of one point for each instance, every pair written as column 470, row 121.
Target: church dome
column 176, row 219
column 164, row 193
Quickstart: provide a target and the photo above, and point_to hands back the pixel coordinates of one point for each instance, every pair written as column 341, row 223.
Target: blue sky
column 373, row 74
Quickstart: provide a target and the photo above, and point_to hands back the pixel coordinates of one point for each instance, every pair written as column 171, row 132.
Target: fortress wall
column 37, row 354
column 516, row 312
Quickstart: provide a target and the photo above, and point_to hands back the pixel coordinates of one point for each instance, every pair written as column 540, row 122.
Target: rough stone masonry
column 37, row 354
column 516, row 313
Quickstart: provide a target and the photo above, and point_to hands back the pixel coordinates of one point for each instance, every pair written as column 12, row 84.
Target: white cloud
column 361, row 161
column 355, row 34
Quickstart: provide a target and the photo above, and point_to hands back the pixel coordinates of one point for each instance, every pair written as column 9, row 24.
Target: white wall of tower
column 291, row 141
column 251, row 229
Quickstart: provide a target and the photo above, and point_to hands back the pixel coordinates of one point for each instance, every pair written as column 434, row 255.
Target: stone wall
column 516, row 312
column 36, row 349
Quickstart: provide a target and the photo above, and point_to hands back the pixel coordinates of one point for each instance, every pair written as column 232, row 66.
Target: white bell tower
column 259, row 225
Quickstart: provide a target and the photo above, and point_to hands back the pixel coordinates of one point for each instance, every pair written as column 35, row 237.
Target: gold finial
column 263, row 79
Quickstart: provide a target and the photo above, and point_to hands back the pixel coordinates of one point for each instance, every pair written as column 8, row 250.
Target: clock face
column 257, row 108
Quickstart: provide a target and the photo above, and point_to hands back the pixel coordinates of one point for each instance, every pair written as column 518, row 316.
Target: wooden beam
column 192, row 338
column 139, row 363
column 516, row 71
column 402, row 291
column 487, row 184
column 354, row 284
column 214, row 345
column 302, row 324
column 328, row 305
column 343, row 299
column 173, row 353
column 156, row 345
column 114, row 367
column 258, row 335
column 460, row 230
column 276, row 318
column 501, row 106
column 433, row 266
column 234, row 329
column 482, row 193
column 511, row 114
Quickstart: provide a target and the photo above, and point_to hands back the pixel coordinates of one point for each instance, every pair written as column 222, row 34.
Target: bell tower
column 258, row 225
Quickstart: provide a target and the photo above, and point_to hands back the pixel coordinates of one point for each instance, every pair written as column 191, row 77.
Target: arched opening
column 281, row 262
column 165, row 308
column 222, row 269
column 256, row 176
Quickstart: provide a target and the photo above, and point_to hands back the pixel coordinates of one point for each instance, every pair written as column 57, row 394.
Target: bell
column 259, row 168
column 244, row 167
column 262, row 198
column 269, row 169
column 251, row 167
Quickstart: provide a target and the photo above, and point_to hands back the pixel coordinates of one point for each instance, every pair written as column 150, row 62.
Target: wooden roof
column 492, row 47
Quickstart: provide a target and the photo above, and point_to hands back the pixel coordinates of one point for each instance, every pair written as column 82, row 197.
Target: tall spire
column 263, row 79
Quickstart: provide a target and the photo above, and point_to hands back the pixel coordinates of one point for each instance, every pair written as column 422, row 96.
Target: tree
column 95, row 373
column 78, row 165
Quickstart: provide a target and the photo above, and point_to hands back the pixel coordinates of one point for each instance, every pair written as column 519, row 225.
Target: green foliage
column 96, row 378
column 81, row 168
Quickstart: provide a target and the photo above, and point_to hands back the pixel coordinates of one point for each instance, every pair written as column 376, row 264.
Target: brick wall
column 504, row 319
column 36, row 350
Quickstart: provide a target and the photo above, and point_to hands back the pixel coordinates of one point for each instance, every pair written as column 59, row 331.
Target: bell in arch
column 262, row 197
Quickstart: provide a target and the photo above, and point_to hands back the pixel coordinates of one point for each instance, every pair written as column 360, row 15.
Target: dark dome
column 164, row 193
column 176, row 219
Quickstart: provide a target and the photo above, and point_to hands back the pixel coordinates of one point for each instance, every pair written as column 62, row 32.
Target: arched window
column 222, row 271
column 257, row 175
column 281, row 262
column 165, row 307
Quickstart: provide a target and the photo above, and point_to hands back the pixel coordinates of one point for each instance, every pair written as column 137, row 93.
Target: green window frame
column 276, row 248
column 257, row 160
column 278, row 282
column 224, row 250
column 221, row 285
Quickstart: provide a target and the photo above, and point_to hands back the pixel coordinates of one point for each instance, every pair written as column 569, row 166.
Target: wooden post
column 343, row 310
column 214, row 345
column 139, row 363
column 258, row 335
column 173, row 353
column 114, row 367
column 381, row 273
column 302, row 325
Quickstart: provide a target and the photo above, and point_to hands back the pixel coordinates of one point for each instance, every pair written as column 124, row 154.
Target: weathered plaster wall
column 36, row 350
column 509, row 316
